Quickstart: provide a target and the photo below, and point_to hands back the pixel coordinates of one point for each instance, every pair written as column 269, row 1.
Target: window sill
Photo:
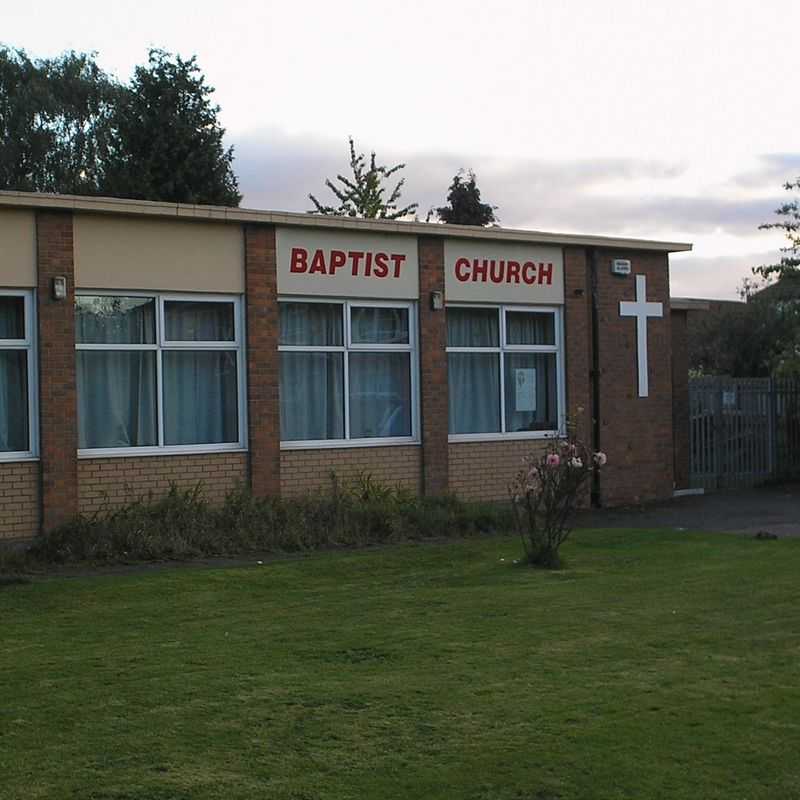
column 341, row 444
column 17, row 458
column 146, row 452
column 503, row 437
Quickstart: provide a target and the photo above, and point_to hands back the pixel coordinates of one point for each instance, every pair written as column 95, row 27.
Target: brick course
column 483, row 470
column 107, row 483
column 57, row 397
column 433, row 367
column 304, row 471
column 19, row 499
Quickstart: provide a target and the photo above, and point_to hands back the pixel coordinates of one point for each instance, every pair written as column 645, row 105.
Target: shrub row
column 183, row 524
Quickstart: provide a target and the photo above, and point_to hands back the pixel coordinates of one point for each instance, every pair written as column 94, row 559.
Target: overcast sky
column 662, row 119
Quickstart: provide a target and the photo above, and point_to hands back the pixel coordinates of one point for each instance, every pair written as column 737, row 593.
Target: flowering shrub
column 544, row 495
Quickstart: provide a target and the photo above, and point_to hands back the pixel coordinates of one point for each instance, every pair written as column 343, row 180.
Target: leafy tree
column 790, row 223
column 758, row 338
column 54, row 121
column 464, row 203
column 167, row 141
column 363, row 195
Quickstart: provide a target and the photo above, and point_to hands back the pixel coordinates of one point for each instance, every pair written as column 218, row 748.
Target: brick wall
column 635, row 432
column 433, row 367
column 57, row 397
column 305, row 471
column 680, row 398
column 483, row 470
column 112, row 482
column 19, row 500
column 262, row 359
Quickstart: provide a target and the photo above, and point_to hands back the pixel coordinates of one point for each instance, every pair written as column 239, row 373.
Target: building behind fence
column 743, row 431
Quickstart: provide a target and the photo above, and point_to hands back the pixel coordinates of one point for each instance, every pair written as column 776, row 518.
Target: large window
column 159, row 371
column 504, row 368
column 17, row 376
column 347, row 372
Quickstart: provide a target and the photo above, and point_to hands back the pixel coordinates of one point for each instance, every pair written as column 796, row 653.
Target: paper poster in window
column 526, row 389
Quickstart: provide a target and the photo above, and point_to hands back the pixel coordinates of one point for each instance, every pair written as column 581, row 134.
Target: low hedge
column 183, row 524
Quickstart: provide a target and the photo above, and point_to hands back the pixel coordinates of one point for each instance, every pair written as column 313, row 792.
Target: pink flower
column 553, row 460
column 600, row 458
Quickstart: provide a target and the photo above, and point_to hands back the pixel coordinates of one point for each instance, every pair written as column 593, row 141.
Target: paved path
column 746, row 511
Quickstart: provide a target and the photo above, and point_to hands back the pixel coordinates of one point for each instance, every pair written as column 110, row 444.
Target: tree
column 790, row 223
column 363, row 195
column 464, row 203
column 167, row 141
column 54, row 121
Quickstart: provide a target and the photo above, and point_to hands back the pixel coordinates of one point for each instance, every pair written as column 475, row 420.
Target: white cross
column 641, row 309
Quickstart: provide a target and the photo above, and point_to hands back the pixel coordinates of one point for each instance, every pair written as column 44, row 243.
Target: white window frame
column 163, row 344
column 28, row 344
column 557, row 348
column 348, row 347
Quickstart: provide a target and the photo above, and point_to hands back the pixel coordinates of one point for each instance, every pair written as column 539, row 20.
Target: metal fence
column 743, row 431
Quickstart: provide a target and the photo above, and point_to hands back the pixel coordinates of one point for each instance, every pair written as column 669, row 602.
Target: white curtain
column 315, row 324
column 116, row 398
column 312, row 396
column 379, row 325
column 13, row 401
column 188, row 321
column 12, row 317
column 523, row 327
column 519, row 415
column 380, row 395
column 200, row 397
column 101, row 319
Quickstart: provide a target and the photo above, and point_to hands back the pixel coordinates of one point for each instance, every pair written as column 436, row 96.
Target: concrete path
column 745, row 511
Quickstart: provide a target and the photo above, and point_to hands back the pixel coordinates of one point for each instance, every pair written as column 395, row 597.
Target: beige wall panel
column 124, row 253
column 17, row 248
column 479, row 271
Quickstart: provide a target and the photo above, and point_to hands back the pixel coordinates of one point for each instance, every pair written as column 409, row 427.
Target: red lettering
column 355, row 257
column 368, row 265
column 299, row 260
column 479, row 269
column 338, row 259
column 546, row 273
column 461, row 265
column 496, row 275
column 398, row 260
column 318, row 263
column 513, row 272
column 381, row 265
column 529, row 272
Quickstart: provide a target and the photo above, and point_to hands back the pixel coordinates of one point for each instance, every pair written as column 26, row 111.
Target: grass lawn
column 658, row 665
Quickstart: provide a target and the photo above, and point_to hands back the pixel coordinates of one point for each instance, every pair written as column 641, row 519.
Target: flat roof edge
column 151, row 208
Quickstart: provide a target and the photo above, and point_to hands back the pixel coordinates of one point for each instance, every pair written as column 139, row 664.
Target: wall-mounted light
column 437, row 301
column 59, row 288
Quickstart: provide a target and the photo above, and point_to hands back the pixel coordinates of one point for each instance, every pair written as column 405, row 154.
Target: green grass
column 657, row 665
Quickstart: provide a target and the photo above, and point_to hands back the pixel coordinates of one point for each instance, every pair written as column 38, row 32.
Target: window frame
column 503, row 348
column 161, row 345
column 29, row 345
column 348, row 347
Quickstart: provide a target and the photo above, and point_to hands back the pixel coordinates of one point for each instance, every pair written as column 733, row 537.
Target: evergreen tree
column 167, row 143
column 363, row 195
column 790, row 223
column 464, row 203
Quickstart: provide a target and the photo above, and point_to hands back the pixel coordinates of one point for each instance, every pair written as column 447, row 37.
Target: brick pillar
column 262, row 360
column 433, row 368
column 578, row 344
column 57, row 396
column 680, row 398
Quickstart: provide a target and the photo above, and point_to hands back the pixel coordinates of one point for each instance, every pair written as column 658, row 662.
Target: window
column 17, row 376
column 504, row 368
column 347, row 373
column 159, row 371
